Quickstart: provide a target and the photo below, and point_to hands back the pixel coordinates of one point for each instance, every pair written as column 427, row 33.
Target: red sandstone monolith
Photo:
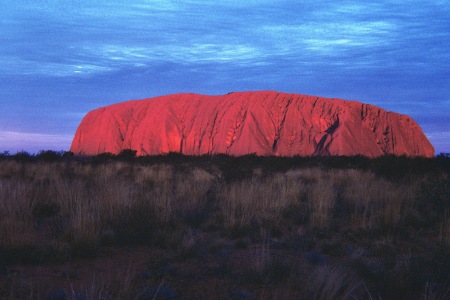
column 265, row 123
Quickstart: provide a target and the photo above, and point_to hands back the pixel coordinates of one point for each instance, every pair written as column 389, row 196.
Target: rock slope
column 265, row 123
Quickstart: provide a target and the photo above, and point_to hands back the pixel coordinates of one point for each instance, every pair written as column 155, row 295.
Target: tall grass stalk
column 257, row 200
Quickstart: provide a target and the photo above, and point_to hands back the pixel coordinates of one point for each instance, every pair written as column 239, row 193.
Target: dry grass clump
column 82, row 204
column 376, row 201
column 15, row 215
column 325, row 282
column 85, row 203
column 259, row 200
column 321, row 197
column 320, row 233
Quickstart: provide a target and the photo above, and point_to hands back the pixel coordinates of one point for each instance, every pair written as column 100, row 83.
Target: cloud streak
column 99, row 39
column 378, row 52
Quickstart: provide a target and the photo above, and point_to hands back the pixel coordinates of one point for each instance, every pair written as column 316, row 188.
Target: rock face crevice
column 239, row 123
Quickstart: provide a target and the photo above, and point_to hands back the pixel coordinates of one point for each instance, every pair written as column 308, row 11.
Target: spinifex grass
column 322, row 232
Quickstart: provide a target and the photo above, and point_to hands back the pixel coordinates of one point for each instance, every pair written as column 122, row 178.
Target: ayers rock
column 264, row 122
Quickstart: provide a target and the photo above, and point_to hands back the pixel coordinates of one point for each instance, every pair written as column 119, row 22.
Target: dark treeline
column 389, row 166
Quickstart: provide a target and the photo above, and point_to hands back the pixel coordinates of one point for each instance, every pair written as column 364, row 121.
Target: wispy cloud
column 365, row 50
column 98, row 59
column 97, row 39
column 333, row 38
column 63, row 69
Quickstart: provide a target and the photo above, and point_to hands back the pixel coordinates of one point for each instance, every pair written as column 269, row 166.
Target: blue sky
column 60, row 59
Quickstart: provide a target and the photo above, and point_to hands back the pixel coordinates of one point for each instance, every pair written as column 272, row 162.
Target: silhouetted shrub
column 5, row 154
column 127, row 154
column 67, row 155
column 23, row 156
column 49, row 155
column 102, row 157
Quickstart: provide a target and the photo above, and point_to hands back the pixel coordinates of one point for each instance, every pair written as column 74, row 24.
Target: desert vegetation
column 218, row 227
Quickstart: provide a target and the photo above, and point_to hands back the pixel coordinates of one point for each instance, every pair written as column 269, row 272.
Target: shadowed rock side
column 265, row 123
